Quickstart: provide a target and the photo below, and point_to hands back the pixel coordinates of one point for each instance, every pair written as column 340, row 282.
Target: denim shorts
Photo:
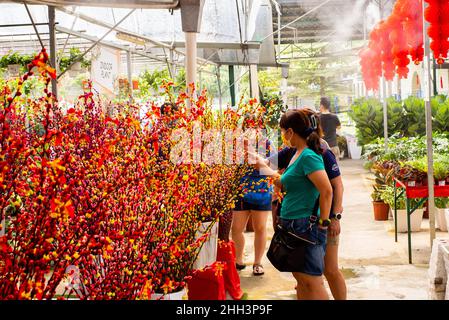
column 242, row 205
column 314, row 256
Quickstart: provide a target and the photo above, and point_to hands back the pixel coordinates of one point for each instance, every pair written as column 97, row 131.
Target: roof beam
column 125, row 31
column 108, row 44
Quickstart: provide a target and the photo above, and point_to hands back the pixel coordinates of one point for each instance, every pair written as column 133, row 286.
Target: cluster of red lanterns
column 370, row 62
column 396, row 41
column 436, row 14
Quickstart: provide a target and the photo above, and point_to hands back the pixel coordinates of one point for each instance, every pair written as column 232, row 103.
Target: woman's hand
column 257, row 161
column 334, row 228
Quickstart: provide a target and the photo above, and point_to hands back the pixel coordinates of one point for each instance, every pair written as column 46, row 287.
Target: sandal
column 258, row 270
column 240, row 267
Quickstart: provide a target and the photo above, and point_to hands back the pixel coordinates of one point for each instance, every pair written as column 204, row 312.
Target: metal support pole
column 365, row 24
column 130, row 74
column 97, row 42
column 427, row 94
column 191, row 51
column 434, row 82
column 409, row 230
column 297, row 19
column 220, row 94
column 34, row 26
column 51, row 27
column 395, row 211
column 232, row 84
column 384, row 89
column 385, row 111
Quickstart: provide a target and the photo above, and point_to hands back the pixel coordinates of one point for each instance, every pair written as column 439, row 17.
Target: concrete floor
column 375, row 267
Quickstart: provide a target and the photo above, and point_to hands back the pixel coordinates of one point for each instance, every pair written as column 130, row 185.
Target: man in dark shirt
column 329, row 123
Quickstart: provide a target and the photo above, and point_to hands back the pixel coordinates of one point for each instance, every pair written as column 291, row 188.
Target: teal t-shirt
column 301, row 193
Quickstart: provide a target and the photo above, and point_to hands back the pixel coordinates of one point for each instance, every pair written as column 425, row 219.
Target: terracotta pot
column 135, row 84
column 381, row 211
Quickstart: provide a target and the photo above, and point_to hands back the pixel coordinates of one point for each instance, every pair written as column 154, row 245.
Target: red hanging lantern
column 436, row 14
column 411, row 11
column 397, row 37
column 370, row 62
column 386, row 46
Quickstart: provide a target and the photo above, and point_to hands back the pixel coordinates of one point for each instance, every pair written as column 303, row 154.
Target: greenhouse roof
column 336, row 20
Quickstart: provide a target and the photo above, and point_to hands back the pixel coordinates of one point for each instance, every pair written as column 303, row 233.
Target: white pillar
column 191, row 56
column 427, row 81
column 254, row 81
column 130, row 74
column 284, row 85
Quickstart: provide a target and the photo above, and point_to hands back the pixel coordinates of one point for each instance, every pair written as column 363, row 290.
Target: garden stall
column 414, row 28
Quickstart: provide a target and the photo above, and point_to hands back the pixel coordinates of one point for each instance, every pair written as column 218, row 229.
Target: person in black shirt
column 329, row 123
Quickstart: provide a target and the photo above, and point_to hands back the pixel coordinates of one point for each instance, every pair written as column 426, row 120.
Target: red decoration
column 370, row 62
column 397, row 37
column 386, row 46
column 208, row 283
column 226, row 254
column 411, row 12
column 436, row 14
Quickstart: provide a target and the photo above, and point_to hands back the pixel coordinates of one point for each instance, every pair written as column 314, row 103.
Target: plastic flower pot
column 208, row 253
column 179, row 295
column 381, row 210
column 446, row 215
column 354, row 150
column 441, row 219
column 415, row 220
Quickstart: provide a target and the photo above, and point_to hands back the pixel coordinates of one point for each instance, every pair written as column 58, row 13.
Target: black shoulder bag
column 287, row 249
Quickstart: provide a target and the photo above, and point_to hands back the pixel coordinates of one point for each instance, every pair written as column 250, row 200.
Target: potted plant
column 342, row 145
column 381, row 209
column 441, row 169
column 441, row 205
column 416, row 217
column 381, row 180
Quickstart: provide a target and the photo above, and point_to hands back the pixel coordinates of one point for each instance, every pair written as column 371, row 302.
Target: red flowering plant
column 30, row 172
column 101, row 210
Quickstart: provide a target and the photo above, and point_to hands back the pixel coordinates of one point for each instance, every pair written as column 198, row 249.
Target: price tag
column 411, row 183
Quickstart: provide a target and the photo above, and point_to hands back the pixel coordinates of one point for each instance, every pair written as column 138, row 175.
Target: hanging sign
column 105, row 68
column 14, row 70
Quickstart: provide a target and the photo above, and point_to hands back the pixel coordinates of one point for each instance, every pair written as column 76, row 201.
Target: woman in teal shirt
column 305, row 182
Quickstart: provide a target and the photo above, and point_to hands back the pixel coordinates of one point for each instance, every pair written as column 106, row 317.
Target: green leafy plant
column 441, row 117
column 441, row 167
column 74, row 53
column 382, row 178
column 442, row 203
column 414, row 116
column 367, row 115
column 388, row 197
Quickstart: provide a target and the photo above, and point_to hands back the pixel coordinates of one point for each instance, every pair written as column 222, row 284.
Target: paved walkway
column 375, row 267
